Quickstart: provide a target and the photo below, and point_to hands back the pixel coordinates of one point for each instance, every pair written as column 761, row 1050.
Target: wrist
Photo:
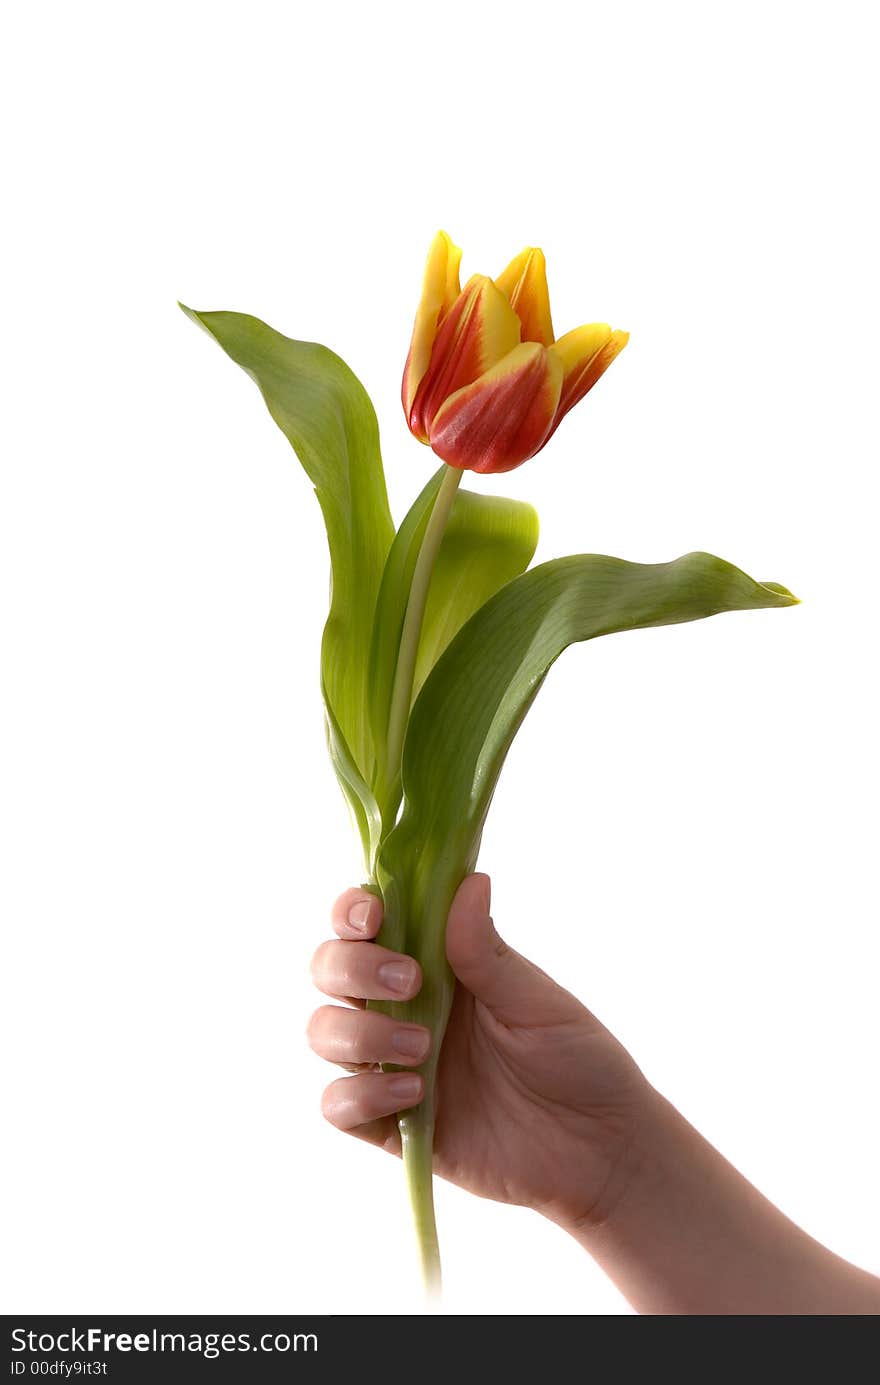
column 611, row 1164
column 631, row 1148
column 681, row 1232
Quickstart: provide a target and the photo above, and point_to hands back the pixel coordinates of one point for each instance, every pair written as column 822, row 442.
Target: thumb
column 512, row 988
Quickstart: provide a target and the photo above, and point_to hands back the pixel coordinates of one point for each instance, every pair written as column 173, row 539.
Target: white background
column 685, row 833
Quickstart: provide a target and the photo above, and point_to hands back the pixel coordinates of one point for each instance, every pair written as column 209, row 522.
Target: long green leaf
column 327, row 416
column 474, row 700
column 488, row 541
column 467, row 715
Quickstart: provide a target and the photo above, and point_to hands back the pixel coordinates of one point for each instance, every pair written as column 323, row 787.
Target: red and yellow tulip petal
column 524, row 282
column 503, row 418
column 478, row 330
column 585, row 354
column 440, row 289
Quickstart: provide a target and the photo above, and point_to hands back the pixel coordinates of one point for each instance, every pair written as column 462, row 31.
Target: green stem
column 431, row 1007
column 417, row 1142
column 404, row 673
column 417, row 900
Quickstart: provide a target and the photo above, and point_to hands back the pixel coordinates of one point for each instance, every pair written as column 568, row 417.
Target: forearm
column 683, row 1233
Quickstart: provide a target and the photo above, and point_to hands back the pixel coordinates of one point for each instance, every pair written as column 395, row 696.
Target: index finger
column 357, row 915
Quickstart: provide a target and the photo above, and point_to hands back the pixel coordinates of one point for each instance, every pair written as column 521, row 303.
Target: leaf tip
column 190, row 313
column 199, row 320
column 789, row 598
column 531, row 514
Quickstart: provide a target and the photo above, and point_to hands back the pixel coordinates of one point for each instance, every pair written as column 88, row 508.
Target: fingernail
column 407, row 1087
column 358, row 915
column 398, row 976
column 411, row 1042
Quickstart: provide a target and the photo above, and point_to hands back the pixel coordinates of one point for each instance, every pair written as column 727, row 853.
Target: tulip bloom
column 486, row 384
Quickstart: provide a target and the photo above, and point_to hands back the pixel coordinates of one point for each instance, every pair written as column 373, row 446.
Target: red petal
column 440, row 289
column 503, row 418
column 479, row 329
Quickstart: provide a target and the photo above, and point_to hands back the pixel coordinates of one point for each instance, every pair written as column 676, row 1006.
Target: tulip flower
column 486, row 383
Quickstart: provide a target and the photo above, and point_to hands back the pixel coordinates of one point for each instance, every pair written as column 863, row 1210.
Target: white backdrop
column 685, row 833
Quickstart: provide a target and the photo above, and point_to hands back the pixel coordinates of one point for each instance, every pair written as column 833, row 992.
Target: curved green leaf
column 326, row 415
column 474, row 700
column 469, row 711
column 359, row 797
column 488, row 541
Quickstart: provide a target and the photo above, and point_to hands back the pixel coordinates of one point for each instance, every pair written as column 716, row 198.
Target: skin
column 539, row 1105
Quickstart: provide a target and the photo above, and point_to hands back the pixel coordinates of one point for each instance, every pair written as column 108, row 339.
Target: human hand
column 537, row 1103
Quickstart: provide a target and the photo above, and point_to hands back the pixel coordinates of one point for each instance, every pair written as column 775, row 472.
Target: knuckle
column 319, row 959
column 354, row 1045
column 499, row 947
column 316, row 1026
column 344, row 1036
column 331, row 1106
column 345, row 978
